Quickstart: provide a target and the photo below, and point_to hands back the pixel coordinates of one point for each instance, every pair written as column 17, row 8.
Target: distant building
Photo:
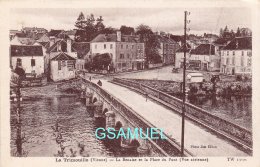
column 62, row 67
column 167, row 49
column 34, row 30
column 179, row 57
column 60, row 46
column 12, row 33
column 126, row 51
column 30, row 58
column 205, row 57
column 21, row 39
column 236, row 57
column 83, row 54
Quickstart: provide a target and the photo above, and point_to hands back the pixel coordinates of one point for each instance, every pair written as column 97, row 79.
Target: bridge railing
column 168, row 145
column 224, row 127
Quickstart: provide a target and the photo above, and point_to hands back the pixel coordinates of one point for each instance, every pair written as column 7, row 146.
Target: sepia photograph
column 115, row 83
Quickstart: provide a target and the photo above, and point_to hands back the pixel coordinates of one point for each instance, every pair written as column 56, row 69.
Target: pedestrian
column 146, row 96
column 90, row 78
column 99, row 83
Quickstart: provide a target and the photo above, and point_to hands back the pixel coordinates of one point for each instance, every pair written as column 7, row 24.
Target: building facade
column 62, row 67
column 236, row 57
column 126, row 51
column 30, row 58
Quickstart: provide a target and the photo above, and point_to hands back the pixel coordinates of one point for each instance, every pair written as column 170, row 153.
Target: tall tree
column 238, row 33
column 127, row 30
column 151, row 42
column 99, row 24
column 81, row 22
column 221, row 32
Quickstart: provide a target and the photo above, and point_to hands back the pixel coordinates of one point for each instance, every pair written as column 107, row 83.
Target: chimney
column 68, row 45
column 52, row 41
column 118, row 36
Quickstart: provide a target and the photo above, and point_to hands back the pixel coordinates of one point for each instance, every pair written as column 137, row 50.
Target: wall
column 226, row 67
column 63, row 74
column 26, row 64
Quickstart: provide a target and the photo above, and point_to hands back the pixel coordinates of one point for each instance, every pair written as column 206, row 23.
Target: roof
column 54, row 32
column 26, row 50
column 54, row 47
column 113, row 38
column 181, row 49
column 204, row 49
column 239, row 43
column 62, row 56
column 82, row 48
column 177, row 38
column 165, row 39
column 45, row 44
column 26, row 41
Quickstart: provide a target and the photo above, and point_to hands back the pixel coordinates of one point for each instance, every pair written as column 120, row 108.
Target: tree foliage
column 88, row 27
column 101, row 61
column 151, row 42
column 127, row 30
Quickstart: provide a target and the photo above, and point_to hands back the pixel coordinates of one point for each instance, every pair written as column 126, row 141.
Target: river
column 56, row 126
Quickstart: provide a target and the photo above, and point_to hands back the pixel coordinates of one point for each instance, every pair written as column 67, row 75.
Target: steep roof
column 26, row 50
column 221, row 41
column 62, row 56
column 204, row 49
column 239, row 43
column 82, row 48
column 181, row 49
column 113, row 38
column 165, row 39
column 54, row 47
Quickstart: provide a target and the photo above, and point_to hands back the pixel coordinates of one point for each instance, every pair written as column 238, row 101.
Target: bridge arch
column 104, row 111
column 118, row 125
column 94, row 100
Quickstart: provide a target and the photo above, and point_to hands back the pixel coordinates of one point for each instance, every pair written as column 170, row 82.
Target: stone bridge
column 110, row 112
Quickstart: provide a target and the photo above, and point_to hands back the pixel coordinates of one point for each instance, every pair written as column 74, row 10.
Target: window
column 233, row 60
column 249, row 53
column 111, row 46
column 122, row 46
column 126, row 46
column 132, row 46
column 32, row 62
column 242, row 61
column 96, row 46
column 128, row 55
column 63, row 63
column 70, row 65
column 121, row 56
column 242, row 53
column 19, row 62
column 249, row 61
column 105, row 46
column 233, row 53
column 59, row 65
column 227, row 52
column 227, row 61
column 123, row 64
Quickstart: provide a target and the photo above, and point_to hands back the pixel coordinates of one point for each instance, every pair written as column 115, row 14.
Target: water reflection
column 234, row 108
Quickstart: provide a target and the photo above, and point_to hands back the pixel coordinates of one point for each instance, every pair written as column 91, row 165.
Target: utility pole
column 184, row 84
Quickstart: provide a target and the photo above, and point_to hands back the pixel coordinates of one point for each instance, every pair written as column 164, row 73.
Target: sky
column 171, row 20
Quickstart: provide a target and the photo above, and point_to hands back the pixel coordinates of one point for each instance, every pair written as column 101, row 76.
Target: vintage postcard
column 129, row 83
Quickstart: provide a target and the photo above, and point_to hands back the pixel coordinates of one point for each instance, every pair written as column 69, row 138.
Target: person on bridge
column 99, row 83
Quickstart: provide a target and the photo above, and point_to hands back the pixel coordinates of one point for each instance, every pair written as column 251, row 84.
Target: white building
column 179, row 56
column 30, row 58
column 126, row 51
column 62, row 67
column 236, row 57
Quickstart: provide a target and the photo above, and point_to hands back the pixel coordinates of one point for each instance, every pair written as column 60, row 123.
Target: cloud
column 159, row 19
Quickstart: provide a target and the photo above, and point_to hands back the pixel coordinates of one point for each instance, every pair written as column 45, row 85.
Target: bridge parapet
column 168, row 147
column 225, row 128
